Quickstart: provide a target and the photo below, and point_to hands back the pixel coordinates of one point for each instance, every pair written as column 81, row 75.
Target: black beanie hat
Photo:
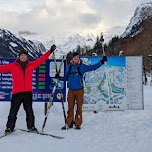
column 23, row 52
column 75, row 54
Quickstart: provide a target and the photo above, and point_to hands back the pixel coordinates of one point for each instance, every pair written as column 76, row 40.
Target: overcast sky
column 53, row 16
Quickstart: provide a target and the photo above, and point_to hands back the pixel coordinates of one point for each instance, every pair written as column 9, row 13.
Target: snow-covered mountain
column 142, row 12
column 10, row 44
column 112, row 32
column 65, row 42
column 37, row 44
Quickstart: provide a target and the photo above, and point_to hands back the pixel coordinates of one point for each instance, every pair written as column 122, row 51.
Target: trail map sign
column 116, row 85
column 43, row 82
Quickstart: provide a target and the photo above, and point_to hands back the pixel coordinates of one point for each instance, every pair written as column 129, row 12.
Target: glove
column 53, row 47
column 57, row 76
column 104, row 59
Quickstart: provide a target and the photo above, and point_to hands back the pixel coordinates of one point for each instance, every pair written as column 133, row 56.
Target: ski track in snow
column 115, row 131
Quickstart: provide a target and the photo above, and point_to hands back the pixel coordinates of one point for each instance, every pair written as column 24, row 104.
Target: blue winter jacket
column 74, row 79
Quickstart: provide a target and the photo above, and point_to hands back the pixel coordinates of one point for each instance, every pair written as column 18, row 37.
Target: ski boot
column 8, row 130
column 32, row 129
column 66, row 127
column 77, row 127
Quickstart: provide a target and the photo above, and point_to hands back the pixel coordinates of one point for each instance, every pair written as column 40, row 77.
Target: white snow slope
column 117, row 131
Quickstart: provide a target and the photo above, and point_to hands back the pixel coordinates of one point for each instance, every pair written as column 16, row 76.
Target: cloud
column 65, row 16
column 90, row 19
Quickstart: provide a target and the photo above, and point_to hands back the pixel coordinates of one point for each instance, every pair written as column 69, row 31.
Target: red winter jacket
column 22, row 82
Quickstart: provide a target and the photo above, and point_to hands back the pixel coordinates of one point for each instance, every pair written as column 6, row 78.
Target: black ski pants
column 16, row 101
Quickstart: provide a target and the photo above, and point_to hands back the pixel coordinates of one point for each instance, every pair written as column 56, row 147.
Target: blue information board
column 43, row 82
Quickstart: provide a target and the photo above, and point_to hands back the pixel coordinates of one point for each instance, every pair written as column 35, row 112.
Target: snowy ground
column 117, row 131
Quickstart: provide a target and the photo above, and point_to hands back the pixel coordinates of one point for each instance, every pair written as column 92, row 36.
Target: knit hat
column 75, row 54
column 23, row 52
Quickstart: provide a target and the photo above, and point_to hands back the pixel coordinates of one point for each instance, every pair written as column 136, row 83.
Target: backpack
column 78, row 72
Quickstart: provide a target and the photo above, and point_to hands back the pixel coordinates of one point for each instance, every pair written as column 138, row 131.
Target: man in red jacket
column 22, row 70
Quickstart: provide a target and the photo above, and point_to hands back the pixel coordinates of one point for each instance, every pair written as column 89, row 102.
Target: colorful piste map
column 106, row 85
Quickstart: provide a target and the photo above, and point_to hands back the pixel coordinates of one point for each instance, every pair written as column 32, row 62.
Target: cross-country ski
column 43, row 134
column 7, row 134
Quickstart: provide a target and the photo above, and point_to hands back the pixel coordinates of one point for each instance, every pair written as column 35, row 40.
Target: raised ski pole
column 52, row 96
column 107, row 76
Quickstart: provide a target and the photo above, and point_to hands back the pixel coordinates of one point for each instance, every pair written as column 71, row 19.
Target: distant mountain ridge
column 67, row 42
column 10, row 45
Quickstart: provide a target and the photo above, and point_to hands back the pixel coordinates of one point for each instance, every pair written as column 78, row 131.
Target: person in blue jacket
column 74, row 77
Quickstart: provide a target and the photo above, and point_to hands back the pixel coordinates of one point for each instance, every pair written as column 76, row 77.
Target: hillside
column 140, row 44
column 137, row 38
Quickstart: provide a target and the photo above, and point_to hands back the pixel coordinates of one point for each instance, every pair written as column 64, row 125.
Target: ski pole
column 52, row 96
column 62, row 99
column 107, row 76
